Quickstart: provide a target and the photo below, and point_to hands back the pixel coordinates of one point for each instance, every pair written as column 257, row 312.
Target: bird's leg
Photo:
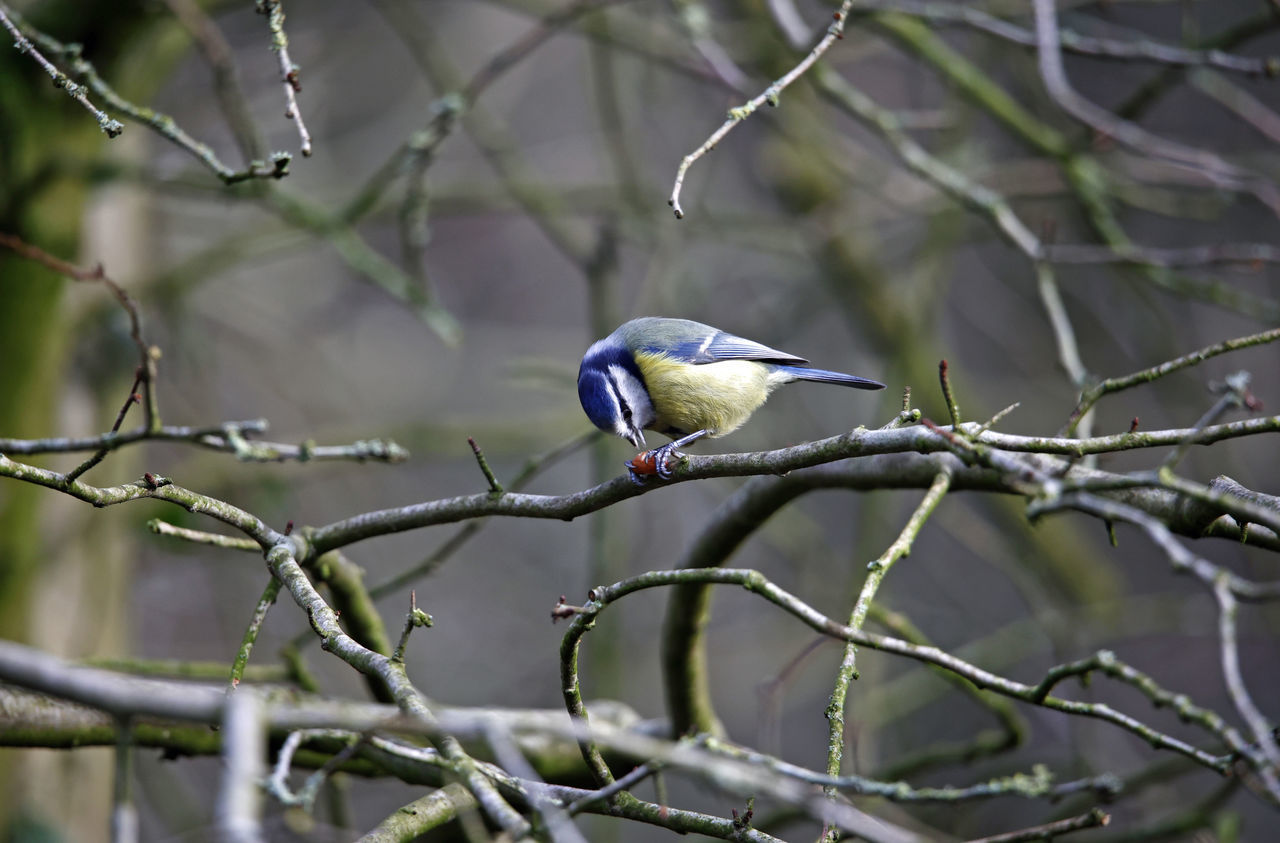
column 658, row 460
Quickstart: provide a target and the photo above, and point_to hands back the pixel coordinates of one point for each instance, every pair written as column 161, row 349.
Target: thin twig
column 876, row 571
column 415, row 618
column 769, row 96
column 109, row 125
column 161, row 123
column 944, row 380
column 758, row 584
column 1092, row 395
column 1049, row 831
column 274, row 11
column 495, row 488
column 259, row 617
column 1260, row 727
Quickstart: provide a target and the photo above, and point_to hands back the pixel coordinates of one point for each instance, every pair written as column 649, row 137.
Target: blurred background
column 436, row 268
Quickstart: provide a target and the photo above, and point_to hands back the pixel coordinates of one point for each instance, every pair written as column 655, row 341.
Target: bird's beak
column 635, row 437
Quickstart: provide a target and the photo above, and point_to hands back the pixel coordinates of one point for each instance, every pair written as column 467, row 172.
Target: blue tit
column 686, row 380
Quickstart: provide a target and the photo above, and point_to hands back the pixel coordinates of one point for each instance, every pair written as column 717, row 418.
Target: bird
column 686, row 380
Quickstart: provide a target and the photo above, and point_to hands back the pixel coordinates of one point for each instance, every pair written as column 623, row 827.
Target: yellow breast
column 717, row 397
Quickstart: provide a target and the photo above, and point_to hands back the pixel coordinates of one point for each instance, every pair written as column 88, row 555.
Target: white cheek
column 633, row 392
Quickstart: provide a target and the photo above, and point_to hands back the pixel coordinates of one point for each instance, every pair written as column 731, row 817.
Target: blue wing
column 696, row 343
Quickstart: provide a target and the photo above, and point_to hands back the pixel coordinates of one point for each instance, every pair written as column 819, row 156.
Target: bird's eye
column 626, row 413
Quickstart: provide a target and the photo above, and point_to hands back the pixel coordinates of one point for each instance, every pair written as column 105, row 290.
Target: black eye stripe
column 623, row 407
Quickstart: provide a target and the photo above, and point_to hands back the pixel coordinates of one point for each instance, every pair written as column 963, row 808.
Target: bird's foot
column 656, row 461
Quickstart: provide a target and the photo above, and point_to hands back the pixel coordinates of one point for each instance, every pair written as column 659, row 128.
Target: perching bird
column 684, row 379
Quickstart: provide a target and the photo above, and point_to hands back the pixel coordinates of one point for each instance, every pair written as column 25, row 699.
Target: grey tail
column 803, row 373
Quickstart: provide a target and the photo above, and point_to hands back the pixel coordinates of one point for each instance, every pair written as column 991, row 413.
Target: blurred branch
column 1262, row 23
column 238, row 810
column 226, row 79
column 1253, row 111
column 1074, row 42
column 951, row 180
column 695, row 19
column 1215, row 253
column 1084, row 175
column 1211, row 166
column 1050, row 831
column 488, row 131
column 352, row 247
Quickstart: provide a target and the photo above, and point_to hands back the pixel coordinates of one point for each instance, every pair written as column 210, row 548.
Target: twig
column 145, row 374
column 532, row 468
column 101, row 453
column 1048, row 831
column 1251, row 110
column 1235, row 393
column 97, row 274
column 274, row 10
column 277, row 783
column 1036, row 785
column 1064, row 336
column 1093, row 394
column 495, row 488
column 758, row 584
column 228, row 437
column 626, row 782
column 110, row 126
column 259, row 617
column 944, row 379
column 1263, row 731
column 162, row 124
column 876, row 571
column 415, row 618
column 769, row 96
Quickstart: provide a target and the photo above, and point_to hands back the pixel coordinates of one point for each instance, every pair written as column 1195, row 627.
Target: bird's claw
column 656, row 461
